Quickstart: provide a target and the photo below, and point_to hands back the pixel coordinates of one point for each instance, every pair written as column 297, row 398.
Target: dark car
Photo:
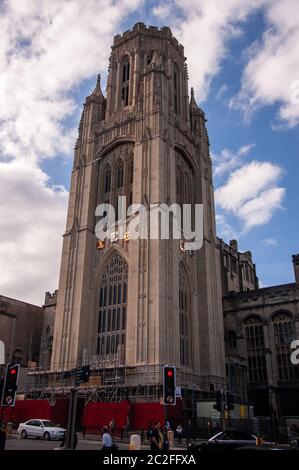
column 227, row 440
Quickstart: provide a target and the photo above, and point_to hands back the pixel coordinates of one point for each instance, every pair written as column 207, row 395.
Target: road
column 15, row 443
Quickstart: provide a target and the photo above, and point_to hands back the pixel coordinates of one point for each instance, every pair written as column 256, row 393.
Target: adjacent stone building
column 260, row 326
column 46, row 343
column 20, row 330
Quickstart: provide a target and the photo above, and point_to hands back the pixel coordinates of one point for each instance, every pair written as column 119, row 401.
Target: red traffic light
column 170, row 373
column 13, row 371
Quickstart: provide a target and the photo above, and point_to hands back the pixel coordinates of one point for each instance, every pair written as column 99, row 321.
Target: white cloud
column 228, row 160
column 252, row 194
column 46, row 49
column 205, row 29
column 270, row 242
column 224, row 228
column 31, row 224
column 273, row 65
column 163, row 10
column 221, row 92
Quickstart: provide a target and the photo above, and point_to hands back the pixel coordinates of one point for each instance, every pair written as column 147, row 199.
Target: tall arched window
column 284, row 334
column 125, row 81
column 184, row 316
column 176, row 89
column 254, row 332
column 107, row 179
column 119, row 174
column 112, row 319
column 184, row 188
column 232, row 339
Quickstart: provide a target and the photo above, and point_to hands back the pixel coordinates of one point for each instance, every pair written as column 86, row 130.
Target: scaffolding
column 111, row 380
column 106, row 383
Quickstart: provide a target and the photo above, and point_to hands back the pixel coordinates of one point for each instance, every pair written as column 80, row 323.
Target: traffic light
column 229, row 402
column 218, row 404
column 169, row 385
column 10, row 385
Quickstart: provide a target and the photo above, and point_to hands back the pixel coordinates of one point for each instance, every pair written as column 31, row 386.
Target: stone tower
column 141, row 302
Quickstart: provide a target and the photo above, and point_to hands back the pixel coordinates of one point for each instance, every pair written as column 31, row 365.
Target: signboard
column 81, row 374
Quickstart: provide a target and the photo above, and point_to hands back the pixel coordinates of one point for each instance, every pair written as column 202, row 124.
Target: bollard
column 135, row 442
column 8, row 429
column 258, row 441
column 170, row 437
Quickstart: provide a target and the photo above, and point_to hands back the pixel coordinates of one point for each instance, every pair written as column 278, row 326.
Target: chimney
column 296, row 267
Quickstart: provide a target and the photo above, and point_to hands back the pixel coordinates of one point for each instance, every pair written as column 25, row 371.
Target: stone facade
column 260, row 325
column 238, row 273
column 146, row 140
column 20, row 330
column 47, row 334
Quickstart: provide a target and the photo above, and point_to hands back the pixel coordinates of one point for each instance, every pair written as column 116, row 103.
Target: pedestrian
column 179, row 432
column 107, row 441
column 156, row 437
column 165, row 438
column 149, row 431
column 167, row 425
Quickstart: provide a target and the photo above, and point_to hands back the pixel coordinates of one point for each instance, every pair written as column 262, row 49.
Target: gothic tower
column 141, row 303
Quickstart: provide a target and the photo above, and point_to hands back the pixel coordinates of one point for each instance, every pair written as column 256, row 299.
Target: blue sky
column 242, row 75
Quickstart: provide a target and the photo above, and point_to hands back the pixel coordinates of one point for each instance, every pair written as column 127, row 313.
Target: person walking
column 156, row 437
column 179, row 432
column 165, row 438
column 107, row 441
column 149, row 431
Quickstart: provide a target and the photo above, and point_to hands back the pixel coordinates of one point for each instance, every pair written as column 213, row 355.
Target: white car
column 41, row 429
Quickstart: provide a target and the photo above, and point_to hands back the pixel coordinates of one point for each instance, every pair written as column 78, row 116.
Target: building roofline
column 18, row 300
column 262, row 290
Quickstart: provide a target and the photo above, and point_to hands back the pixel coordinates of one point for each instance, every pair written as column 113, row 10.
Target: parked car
column 227, row 440
column 41, row 429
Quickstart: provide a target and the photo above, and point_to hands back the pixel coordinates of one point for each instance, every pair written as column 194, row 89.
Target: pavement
column 90, row 442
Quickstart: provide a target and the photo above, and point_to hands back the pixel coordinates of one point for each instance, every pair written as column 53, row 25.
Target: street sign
column 81, row 374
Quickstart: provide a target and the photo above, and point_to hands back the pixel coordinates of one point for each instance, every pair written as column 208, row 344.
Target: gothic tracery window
column 176, row 89
column 107, row 179
column 232, row 339
column 184, row 317
column 184, row 188
column 125, row 81
column 254, row 332
column 112, row 319
column 284, row 334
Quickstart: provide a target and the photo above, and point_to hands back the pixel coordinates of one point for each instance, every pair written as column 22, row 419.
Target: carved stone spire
column 98, row 90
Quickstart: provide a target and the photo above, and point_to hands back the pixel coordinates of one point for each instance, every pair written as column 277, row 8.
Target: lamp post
column 271, row 391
